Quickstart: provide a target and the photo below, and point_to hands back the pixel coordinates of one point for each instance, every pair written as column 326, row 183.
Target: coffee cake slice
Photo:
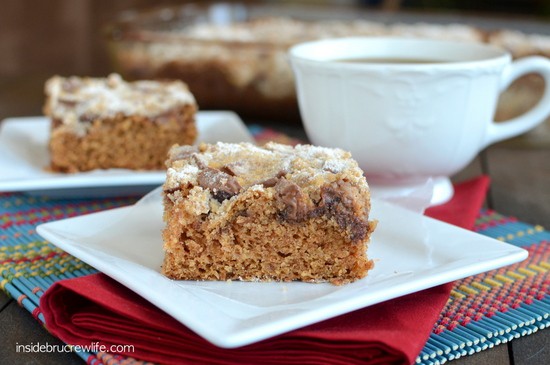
column 281, row 213
column 102, row 123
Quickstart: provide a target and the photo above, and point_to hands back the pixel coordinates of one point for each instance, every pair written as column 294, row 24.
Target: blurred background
column 42, row 38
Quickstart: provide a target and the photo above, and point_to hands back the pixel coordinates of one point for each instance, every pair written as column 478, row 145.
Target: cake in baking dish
column 101, row 123
column 242, row 65
column 272, row 213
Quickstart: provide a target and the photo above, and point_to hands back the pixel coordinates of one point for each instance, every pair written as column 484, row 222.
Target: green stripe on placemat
column 483, row 311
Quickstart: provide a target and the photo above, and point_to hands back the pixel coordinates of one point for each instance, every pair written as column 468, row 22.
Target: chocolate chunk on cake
column 243, row 212
column 102, row 123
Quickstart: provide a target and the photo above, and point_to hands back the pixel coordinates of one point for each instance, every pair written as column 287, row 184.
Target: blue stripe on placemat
column 517, row 233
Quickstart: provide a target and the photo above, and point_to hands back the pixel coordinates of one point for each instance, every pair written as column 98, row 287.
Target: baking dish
column 234, row 55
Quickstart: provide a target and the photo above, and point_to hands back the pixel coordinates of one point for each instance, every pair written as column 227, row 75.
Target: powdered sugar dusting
column 184, row 174
column 234, row 149
column 75, row 99
column 336, row 166
column 313, row 152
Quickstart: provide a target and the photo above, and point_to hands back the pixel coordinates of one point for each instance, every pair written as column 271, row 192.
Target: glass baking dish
column 233, row 56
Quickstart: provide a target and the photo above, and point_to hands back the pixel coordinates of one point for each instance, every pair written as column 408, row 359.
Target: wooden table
column 520, row 175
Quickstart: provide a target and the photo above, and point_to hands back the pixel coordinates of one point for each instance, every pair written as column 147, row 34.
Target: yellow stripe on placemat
column 468, row 290
column 538, row 268
column 527, row 272
column 37, row 258
column 515, row 275
column 456, row 294
column 492, row 282
column 504, row 278
column 480, row 286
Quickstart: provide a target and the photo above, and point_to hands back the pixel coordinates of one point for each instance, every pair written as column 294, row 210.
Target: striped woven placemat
column 483, row 311
column 28, row 264
column 497, row 306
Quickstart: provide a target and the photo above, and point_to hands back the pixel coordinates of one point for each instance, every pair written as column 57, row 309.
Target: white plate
column 412, row 252
column 24, row 155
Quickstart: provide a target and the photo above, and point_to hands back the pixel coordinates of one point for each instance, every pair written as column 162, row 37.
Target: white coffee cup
column 406, row 123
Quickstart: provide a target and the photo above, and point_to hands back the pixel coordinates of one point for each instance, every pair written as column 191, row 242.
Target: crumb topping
column 521, row 44
column 286, row 31
column 75, row 100
column 247, row 165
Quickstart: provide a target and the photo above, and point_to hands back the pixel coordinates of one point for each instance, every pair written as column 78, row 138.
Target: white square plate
column 412, row 252
column 24, row 156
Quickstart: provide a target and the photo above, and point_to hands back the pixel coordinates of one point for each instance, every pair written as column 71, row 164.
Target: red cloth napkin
column 97, row 310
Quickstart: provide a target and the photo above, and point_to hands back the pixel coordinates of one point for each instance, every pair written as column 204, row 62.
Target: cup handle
column 513, row 127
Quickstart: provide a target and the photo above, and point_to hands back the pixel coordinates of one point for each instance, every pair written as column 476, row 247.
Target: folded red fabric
column 467, row 200
column 96, row 309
